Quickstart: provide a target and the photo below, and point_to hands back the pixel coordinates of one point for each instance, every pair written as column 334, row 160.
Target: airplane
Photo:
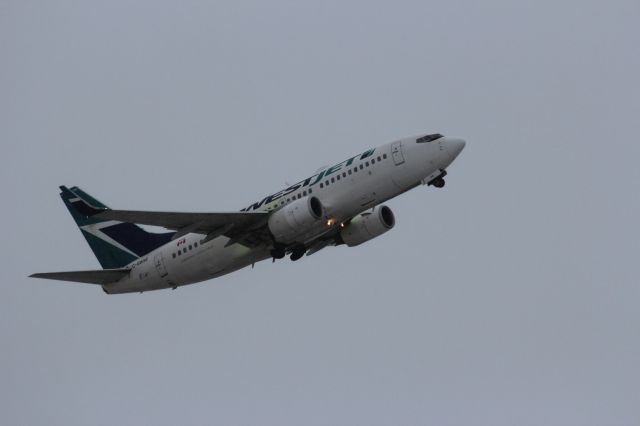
column 337, row 205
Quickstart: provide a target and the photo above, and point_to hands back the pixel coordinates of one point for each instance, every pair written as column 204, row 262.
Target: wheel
column 277, row 253
column 297, row 253
column 438, row 182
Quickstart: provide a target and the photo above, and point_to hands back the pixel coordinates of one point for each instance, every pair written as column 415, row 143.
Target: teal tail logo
column 115, row 244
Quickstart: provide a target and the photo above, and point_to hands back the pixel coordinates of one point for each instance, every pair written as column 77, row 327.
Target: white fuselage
column 345, row 190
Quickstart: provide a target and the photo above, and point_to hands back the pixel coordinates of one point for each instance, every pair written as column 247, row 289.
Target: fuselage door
column 159, row 262
column 396, row 153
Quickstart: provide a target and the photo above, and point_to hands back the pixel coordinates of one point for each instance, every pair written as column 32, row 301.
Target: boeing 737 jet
column 341, row 204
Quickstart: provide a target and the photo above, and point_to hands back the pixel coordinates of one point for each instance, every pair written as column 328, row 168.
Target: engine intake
column 366, row 226
column 295, row 219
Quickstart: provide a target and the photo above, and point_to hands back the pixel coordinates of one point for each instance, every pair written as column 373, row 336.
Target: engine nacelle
column 366, row 226
column 295, row 219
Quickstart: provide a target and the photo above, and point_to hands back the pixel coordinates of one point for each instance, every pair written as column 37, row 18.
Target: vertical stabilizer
column 114, row 243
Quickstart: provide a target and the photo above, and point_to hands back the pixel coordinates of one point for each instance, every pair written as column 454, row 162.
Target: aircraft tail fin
column 114, row 243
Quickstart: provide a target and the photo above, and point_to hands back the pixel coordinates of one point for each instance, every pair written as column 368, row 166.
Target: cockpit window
column 429, row 138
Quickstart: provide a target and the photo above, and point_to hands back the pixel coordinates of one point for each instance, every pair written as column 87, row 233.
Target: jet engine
column 295, row 219
column 368, row 225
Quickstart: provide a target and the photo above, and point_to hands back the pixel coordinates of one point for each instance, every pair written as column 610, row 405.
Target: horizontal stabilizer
column 102, row 276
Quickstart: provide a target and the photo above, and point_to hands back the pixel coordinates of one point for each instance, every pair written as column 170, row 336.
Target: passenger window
column 361, row 166
column 299, row 196
column 304, row 193
column 195, row 244
column 344, row 174
column 321, row 185
column 174, row 255
column 349, row 171
column 179, row 253
column 384, row 156
column 333, row 180
column 310, row 190
column 366, row 164
column 379, row 159
column 338, row 177
column 373, row 161
column 190, row 247
column 355, row 169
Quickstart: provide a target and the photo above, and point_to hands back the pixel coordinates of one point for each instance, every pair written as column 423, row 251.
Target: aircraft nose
column 455, row 147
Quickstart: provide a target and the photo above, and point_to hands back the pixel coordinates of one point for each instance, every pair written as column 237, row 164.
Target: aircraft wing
column 236, row 225
column 101, row 276
column 203, row 223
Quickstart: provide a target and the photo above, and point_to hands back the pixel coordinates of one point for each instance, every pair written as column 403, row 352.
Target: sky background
column 509, row 297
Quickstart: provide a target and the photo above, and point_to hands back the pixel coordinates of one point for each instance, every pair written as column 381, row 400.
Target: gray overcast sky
column 510, row 297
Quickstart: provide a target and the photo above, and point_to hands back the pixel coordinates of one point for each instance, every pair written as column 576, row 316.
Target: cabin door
column 159, row 262
column 396, row 153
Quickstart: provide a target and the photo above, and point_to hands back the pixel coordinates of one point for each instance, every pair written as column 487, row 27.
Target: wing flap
column 102, row 276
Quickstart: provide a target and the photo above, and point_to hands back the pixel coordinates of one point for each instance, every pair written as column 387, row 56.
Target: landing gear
column 278, row 252
column 439, row 181
column 298, row 252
